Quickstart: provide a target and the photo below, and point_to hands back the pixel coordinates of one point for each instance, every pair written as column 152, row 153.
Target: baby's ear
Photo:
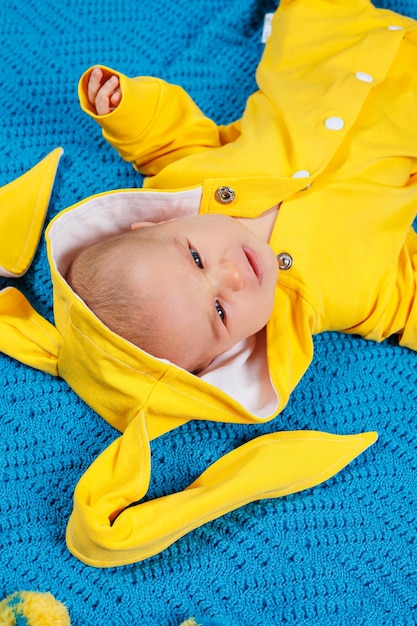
column 137, row 225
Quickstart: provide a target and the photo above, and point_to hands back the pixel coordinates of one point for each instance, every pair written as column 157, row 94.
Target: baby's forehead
column 168, row 231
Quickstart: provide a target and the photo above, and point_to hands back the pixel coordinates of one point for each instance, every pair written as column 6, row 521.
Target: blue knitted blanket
column 341, row 554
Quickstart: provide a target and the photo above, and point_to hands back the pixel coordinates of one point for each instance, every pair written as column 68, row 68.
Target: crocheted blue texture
column 343, row 553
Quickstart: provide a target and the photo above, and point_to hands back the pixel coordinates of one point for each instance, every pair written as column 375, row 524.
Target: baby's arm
column 150, row 122
column 103, row 91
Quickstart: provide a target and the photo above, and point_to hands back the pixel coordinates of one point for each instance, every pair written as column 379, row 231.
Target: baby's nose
column 230, row 277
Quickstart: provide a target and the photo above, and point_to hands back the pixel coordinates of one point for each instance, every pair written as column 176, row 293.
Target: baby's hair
column 101, row 276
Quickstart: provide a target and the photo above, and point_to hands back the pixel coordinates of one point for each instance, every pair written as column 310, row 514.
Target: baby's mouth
column 254, row 262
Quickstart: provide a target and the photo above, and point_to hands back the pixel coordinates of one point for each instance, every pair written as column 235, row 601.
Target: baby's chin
column 197, row 366
column 199, row 369
column 186, row 362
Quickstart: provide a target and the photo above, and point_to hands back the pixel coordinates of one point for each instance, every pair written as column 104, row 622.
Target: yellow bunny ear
column 25, row 335
column 23, row 206
column 108, row 528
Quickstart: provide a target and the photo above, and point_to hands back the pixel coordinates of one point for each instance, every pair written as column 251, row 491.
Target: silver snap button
column 284, row 260
column 225, row 195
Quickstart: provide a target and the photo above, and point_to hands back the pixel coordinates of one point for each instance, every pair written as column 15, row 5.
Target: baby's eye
column 197, row 258
column 220, row 311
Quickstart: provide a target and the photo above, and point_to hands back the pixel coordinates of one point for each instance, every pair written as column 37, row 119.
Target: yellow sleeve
column 155, row 124
column 398, row 315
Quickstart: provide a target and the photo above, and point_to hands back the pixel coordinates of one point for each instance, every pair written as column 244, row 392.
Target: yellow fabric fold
column 108, row 529
column 23, row 206
column 25, row 335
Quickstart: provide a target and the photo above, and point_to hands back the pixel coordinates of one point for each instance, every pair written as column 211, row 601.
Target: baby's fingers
column 103, row 91
column 94, row 84
column 115, row 98
column 104, row 95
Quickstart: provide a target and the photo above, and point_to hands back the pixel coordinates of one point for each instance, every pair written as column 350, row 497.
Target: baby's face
column 211, row 282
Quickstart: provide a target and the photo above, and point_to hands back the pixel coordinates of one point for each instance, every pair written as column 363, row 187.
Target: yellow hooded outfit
column 313, row 138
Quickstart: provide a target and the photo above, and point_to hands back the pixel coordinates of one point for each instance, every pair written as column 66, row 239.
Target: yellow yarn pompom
column 33, row 608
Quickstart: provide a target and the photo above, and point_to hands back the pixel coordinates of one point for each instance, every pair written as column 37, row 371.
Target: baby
column 299, row 221
column 188, row 290
column 185, row 290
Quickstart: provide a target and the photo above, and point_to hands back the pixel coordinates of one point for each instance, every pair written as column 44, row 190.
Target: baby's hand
column 103, row 91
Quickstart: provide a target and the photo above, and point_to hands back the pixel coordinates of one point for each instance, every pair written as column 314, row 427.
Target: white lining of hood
column 242, row 371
